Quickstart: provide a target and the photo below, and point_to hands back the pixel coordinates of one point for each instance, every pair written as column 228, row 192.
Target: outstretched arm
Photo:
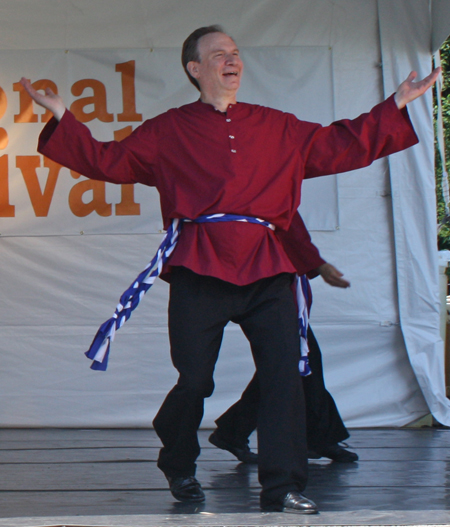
column 70, row 143
column 51, row 101
column 410, row 90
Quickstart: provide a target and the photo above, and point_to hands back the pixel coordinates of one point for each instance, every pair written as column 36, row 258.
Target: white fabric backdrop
column 56, row 289
column 413, row 182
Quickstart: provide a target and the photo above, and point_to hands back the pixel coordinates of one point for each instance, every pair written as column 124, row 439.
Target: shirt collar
column 209, row 107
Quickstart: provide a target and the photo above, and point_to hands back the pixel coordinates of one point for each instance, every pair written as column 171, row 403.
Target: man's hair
column 190, row 48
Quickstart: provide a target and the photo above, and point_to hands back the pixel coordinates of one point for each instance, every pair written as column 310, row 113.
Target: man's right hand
column 50, row 101
column 332, row 276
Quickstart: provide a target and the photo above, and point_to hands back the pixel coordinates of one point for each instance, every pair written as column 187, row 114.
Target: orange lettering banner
column 113, row 92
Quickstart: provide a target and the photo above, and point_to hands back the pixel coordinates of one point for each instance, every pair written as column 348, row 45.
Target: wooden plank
column 78, row 455
column 357, row 503
column 114, row 476
column 83, row 454
column 74, row 440
column 63, row 438
column 213, row 474
column 373, row 438
column 400, row 438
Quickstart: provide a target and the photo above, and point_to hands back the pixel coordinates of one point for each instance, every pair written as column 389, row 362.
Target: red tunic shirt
column 250, row 160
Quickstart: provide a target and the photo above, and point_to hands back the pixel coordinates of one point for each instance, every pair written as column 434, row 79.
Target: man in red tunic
column 220, row 156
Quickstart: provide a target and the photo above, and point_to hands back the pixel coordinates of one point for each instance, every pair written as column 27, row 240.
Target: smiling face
column 220, row 68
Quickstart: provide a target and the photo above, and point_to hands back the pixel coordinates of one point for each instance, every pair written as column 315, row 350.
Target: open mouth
column 231, row 73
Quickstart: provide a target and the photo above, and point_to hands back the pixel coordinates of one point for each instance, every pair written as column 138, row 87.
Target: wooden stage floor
column 51, row 477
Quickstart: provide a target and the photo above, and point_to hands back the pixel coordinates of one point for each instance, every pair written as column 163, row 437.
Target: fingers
column 437, row 71
column 26, row 83
column 337, row 281
column 333, row 276
column 410, row 90
column 432, row 77
column 342, row 283
column 428, row 80
column 49, row 100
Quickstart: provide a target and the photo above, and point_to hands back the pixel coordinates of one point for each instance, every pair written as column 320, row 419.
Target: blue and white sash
column 303, row 293
column 130, row 299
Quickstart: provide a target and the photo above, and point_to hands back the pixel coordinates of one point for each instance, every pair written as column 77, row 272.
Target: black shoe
column 186, row 488
column 334, row 452
column 245, row 455
column 293, row 502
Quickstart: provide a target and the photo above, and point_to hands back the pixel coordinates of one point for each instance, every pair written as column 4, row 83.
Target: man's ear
column 192, row 68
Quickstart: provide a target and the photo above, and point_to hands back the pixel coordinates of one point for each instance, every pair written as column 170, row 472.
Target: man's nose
column 230, row 58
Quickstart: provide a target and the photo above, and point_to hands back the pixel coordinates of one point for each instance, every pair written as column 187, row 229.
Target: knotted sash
column 99, row 350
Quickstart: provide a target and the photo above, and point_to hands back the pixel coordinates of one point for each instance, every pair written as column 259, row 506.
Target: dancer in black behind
column 324, row 426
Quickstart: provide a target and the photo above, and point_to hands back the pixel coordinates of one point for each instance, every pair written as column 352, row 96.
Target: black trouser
column 199, row 309
column 324, row 425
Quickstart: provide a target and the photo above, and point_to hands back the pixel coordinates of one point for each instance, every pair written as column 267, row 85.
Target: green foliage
column 444, row 223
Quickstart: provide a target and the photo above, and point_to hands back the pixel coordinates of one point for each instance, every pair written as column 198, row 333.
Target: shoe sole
column 297, row 511
column 289, row 510
column 189, row 500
